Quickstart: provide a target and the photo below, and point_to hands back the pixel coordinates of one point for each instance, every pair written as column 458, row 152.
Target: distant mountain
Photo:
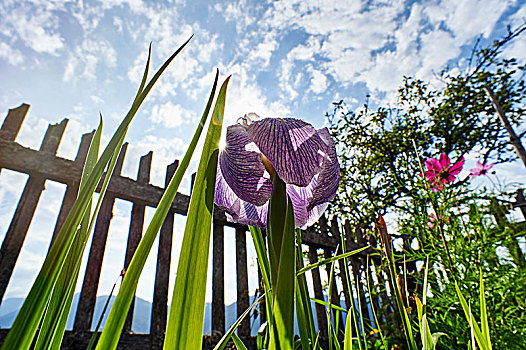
column 141, row 318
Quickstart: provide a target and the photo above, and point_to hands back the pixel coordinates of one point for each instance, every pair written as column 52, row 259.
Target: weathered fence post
column 218, row 278
column 136, row 226
column 17, row 231
column 13, row 122
column 242, row 281
column 321, row 316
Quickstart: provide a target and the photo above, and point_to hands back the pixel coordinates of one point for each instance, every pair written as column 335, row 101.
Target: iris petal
column 242, row 167
column 292, row 146
column 328, row 180
column 236, row 209
column 303, row 215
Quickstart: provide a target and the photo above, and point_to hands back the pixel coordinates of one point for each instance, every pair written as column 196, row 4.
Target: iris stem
column 282, row 256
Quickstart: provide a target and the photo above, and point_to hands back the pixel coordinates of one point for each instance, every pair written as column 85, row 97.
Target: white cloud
column 36, row 25
column 318, row 82
column 171, row 115
column 86, row 58
column 468, row 18
column 285, row 80
column 118, row 23
column 12, row 56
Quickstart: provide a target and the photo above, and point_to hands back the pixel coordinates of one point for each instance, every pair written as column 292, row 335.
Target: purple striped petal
column 328, row 180
column 299, row 196
column 242, row 167
column 292, row 146
column 236, row 209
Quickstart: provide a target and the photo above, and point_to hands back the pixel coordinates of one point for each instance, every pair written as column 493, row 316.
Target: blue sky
column 75, row 59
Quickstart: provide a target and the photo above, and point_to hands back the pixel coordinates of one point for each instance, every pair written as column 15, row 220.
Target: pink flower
column 480, row 169
column 431, row 222
column 441, row 171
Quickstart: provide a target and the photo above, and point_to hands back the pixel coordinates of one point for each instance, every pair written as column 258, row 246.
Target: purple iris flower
column 303, row 157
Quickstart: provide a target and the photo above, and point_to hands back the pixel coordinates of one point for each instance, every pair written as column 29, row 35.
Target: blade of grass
column 360, row 308
column 334, row 335
column 29, row 317
column 282, row 336
column 117, row 316
column 484, row 314
column 347, row 342
column 330, row 330
column 185, row 322
column 259, row 246
column 224, row 340
column 474, row 326
column 384, row 342
column 332, row 306
column 264, row 266
column 302, row 319
column 302, row 294
column 330, row 260
column 101, row 317
column 425, row 332
column 57, row 313
column 361, row 342
column 387, row 249
column 473, row 346
column 238, row 342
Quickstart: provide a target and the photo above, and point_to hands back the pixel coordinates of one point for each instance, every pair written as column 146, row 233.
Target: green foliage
column 381, row 155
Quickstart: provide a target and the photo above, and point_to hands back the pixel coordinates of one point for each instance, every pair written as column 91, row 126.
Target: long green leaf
column 305, row 317
column 329, row 305
column 224, row 340
column 347, row 342
column 57, row 313
column 302, row 319
column 259, row 246
column 361, row 343
column 330, row 260
column 238, row 342
column 117, row 316
column 30, row 315
column 330, row 330
column 384, row 342
column 185, row 322
column 282, row 336
column 264, row 266
column 484, row 314
column 425, row 332
column 469, row 316
column 95, row 334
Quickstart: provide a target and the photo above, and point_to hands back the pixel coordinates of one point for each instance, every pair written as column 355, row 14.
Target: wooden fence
column 44, row 165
